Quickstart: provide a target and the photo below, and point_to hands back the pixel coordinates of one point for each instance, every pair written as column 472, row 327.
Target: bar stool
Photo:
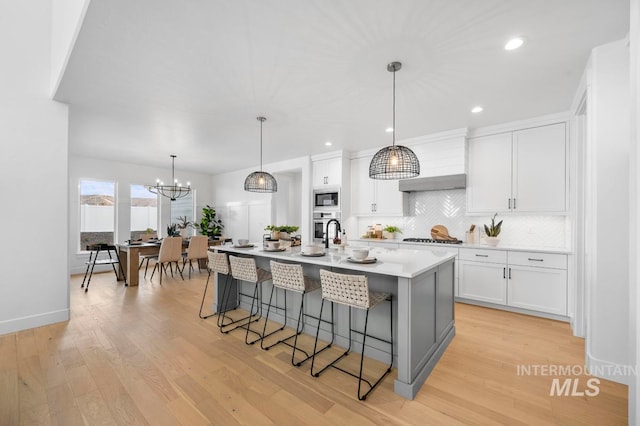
column 289, row 277
column 94, row 251
column 217, row 262
column 245, row 269
column 353, row 291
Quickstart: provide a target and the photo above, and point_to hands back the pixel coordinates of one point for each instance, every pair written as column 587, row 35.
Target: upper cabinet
column 523, row 171
column 327, row 172
column 374, row 197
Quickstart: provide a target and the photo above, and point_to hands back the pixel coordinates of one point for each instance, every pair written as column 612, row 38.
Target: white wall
column 608, row 209
column 125, row 175
column 67, row 17
column 34, row 287
column 634, row 212
column 245, row 214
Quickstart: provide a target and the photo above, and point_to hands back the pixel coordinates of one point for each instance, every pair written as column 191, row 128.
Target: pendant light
column 173, row 191
column 260, row 181
column 395, row 161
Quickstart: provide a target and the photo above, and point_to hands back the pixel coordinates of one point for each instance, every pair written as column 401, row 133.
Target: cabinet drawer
column 541, row 260
column 483, row 255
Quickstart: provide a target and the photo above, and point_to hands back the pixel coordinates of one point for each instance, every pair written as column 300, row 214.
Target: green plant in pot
column 493, row 231
column 209, row 225
column 172, row 230
column 287, row 230
column 275, row 231
column 391, row 231
column 184, row 224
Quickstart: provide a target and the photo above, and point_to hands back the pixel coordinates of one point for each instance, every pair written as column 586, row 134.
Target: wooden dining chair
column 197, row 250
column 170, row 253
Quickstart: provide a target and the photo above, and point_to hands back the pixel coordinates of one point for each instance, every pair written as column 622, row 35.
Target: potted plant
column 184, row 224
column 391, row 231
column 209, row 225
column 286, row 231
column 493, row 231
column 172, row 230
column 275, row 231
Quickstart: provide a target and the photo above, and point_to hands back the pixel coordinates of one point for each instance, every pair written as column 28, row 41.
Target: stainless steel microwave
column 326, row 199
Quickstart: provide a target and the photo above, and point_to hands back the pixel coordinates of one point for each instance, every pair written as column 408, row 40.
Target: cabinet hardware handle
column 514, row 203
column 535, row 260
column 509, row 203
column 482, row 255
column 504, row 273
column 509, row 273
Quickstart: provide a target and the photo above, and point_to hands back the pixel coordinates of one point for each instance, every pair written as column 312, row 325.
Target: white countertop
column 465, row 245
column 406, row 263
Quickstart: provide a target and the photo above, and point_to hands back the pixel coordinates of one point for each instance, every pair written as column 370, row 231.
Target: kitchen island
column 422, row 284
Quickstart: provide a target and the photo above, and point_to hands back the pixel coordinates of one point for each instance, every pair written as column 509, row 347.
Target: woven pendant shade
column 394, row 162
column 260, row 182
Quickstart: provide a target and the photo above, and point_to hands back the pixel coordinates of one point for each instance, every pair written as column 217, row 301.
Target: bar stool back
column 245, row 269
column 353, row 291
column 217, row 263
column 290, row 277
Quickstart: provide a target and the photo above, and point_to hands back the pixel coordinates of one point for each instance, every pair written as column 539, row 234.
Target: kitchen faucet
column 326, row 233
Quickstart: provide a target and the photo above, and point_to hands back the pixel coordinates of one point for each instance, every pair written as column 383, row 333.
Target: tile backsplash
column 448, row 208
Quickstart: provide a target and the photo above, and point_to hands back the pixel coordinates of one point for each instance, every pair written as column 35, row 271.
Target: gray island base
column 422, row 285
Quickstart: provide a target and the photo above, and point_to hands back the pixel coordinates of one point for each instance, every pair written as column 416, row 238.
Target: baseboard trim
column 33, row 321
column 610, row 370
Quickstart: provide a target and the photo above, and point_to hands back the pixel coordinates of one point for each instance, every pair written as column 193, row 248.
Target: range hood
column 433, row 183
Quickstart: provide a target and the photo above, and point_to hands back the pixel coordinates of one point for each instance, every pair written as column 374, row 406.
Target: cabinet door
column 389, row 200
column 320, row 170
column 489, row 178
column 485, row 282
column 334, row 171
column 538, row 289
column 362, row 187
column 539, row 169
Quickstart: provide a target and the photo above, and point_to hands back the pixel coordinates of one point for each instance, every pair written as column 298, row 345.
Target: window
column 183, row 207
column 144, row 212
column 97, row 212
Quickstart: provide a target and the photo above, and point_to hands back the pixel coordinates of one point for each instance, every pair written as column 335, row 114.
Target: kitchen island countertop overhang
column 422, row 285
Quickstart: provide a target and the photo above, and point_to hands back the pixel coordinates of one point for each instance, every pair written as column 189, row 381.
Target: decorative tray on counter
column 363, row 261
column 243, row 246
column 274, row 249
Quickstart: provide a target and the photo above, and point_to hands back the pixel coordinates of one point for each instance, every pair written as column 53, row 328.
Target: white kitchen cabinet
column 522, row 171
column 537, row 281
column 482, row 275
column 327, row 172
column 374, row 197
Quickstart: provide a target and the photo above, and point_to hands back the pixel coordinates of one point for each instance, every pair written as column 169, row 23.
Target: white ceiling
column 149, row 78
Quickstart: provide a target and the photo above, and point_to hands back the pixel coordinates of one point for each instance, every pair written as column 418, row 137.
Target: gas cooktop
column 431, row 240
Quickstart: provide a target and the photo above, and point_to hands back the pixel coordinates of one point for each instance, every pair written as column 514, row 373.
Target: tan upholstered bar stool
column 245, row 269
column 353, row 291
column 290, row 277
column 217, row 263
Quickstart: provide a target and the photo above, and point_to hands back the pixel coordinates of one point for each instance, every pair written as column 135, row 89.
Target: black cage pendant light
column 395, row 161
column 173, row 191
column 260, row 181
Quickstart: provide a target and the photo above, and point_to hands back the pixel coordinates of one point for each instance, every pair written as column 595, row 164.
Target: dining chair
column 197, row 250
column 170, row 253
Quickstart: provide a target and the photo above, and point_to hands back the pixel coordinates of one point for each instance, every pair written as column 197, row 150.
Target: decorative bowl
column 243, row 242
column 273, row 245
column 360, row 253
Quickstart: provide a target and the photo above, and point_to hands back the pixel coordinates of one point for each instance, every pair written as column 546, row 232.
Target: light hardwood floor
column 142, row 356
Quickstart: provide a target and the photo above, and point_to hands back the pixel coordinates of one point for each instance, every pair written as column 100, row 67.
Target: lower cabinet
column 534, row 281
column 482, row 281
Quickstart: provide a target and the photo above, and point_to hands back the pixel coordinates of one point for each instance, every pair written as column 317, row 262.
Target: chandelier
column 174, row 191
column 260, row 181
column 395, row 161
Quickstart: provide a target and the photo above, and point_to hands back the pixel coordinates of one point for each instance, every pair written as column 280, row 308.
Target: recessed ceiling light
column 476, row 109
column 389, row 129
column 513, row 44
column 327, row 143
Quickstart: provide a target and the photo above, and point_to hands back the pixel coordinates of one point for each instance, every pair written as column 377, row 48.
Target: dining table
column 130, row 253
